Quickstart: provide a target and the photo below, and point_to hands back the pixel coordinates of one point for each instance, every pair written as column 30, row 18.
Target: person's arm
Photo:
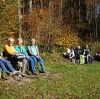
column 24, row 50
column 37, row 51
column 17, row 49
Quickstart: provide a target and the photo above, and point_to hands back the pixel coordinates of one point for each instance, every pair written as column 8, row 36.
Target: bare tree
column 20, row 17
column 30, row 16
column 79, row 11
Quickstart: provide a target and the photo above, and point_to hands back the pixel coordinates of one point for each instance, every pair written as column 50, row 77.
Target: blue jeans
column 6, row 66
column 90, row 60
column 40, row 60
column 31, row 64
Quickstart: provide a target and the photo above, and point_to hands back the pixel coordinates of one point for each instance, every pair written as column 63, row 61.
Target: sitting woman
column 7, row 67
column 21, row 49
column 34, row 53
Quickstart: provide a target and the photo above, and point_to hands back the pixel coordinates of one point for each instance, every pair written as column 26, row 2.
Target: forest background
column 55, row 24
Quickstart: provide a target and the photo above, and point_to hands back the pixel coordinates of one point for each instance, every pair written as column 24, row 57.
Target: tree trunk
column 49, row 25
column 37, row 4
column 30, row 18
column 20, row 18
column 79, row 12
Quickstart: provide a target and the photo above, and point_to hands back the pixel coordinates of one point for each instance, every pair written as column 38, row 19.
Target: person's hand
column 37, row 56
column 71, row 57
column 27, row 57
column 16, row 53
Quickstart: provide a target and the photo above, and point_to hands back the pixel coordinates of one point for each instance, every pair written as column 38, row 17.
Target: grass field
column 63, row 80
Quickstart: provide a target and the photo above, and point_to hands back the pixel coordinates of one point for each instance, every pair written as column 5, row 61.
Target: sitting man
column 9, row 50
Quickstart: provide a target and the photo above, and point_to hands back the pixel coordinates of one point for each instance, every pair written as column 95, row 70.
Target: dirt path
column 29, row 79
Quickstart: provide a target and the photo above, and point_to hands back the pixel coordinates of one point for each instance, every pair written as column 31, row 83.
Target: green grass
column 63, row 80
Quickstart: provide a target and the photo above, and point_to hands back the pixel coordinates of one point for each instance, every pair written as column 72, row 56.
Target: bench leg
column 0, row 72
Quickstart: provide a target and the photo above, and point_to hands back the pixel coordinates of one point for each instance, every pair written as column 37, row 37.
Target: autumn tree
column 54, row 23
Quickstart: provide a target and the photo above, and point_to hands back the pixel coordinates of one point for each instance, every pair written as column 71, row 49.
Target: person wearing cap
column 21, row 49
column 34, row 53
column 10, row 49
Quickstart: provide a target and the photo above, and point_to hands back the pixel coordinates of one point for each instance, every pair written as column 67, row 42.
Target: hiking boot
column 20, row 76
column 24, row 75
column 9, row 74
column 16, row 72
column 43, row 71
column 17, row 78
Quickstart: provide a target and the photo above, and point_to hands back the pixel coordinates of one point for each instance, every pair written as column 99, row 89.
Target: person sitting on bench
column 7, row 67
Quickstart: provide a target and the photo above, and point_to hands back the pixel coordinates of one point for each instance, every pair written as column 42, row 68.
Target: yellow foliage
column 12, row 33
column 68, row 40
column 42, row 12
